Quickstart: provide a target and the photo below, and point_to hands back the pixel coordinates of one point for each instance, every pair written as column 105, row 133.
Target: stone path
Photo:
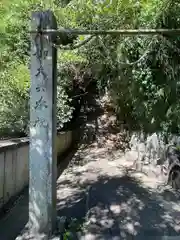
column 115, row 201
column 13, row 222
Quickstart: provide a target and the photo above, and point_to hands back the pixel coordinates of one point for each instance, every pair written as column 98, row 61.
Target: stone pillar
column 42, row 154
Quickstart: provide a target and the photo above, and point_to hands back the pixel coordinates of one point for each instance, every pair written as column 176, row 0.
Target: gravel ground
column 116, row 200
column 113, row 200
column 103, row 189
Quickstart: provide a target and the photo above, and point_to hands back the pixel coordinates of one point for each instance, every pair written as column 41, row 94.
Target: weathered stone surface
column 42, row 161
column 150, row 148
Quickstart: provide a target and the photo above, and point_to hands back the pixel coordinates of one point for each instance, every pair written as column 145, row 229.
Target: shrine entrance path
column 115, row 200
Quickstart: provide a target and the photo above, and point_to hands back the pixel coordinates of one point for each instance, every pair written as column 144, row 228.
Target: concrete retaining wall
column 63, row 141
column 14, row 164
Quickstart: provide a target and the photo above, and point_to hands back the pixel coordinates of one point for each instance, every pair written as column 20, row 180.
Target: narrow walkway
column 15, row 220
column 112, row 199
column 116, row 201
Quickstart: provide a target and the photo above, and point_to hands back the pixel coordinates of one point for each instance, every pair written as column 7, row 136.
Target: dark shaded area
column 172, row 170
column 120, row 207
column 12, row 202
column 15, row 217
column 85, row 120
column 173, row 157
column 64, row 159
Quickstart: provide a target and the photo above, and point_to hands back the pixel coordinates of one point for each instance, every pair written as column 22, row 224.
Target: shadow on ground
column 14, row 216
column 117, row 207
column 112, row 206
column 120, row 208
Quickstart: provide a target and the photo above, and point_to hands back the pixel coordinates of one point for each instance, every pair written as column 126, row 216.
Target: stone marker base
column 26, row 234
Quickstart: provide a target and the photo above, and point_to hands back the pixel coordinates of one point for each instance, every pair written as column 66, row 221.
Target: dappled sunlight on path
column 116, row 201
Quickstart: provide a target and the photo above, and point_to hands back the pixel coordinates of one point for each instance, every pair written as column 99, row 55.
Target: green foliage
column 14, row 107
column 145, row 94
column 64, row 110
column 14, row 72
column 148, row 91
column 73, row 227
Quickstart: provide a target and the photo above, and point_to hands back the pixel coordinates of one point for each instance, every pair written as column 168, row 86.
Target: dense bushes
column 149, row 91
column 14, row 72
column 145, row 94
column 14, row 92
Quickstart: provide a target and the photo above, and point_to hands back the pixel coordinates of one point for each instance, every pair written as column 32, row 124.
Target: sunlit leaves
column 145, row 92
